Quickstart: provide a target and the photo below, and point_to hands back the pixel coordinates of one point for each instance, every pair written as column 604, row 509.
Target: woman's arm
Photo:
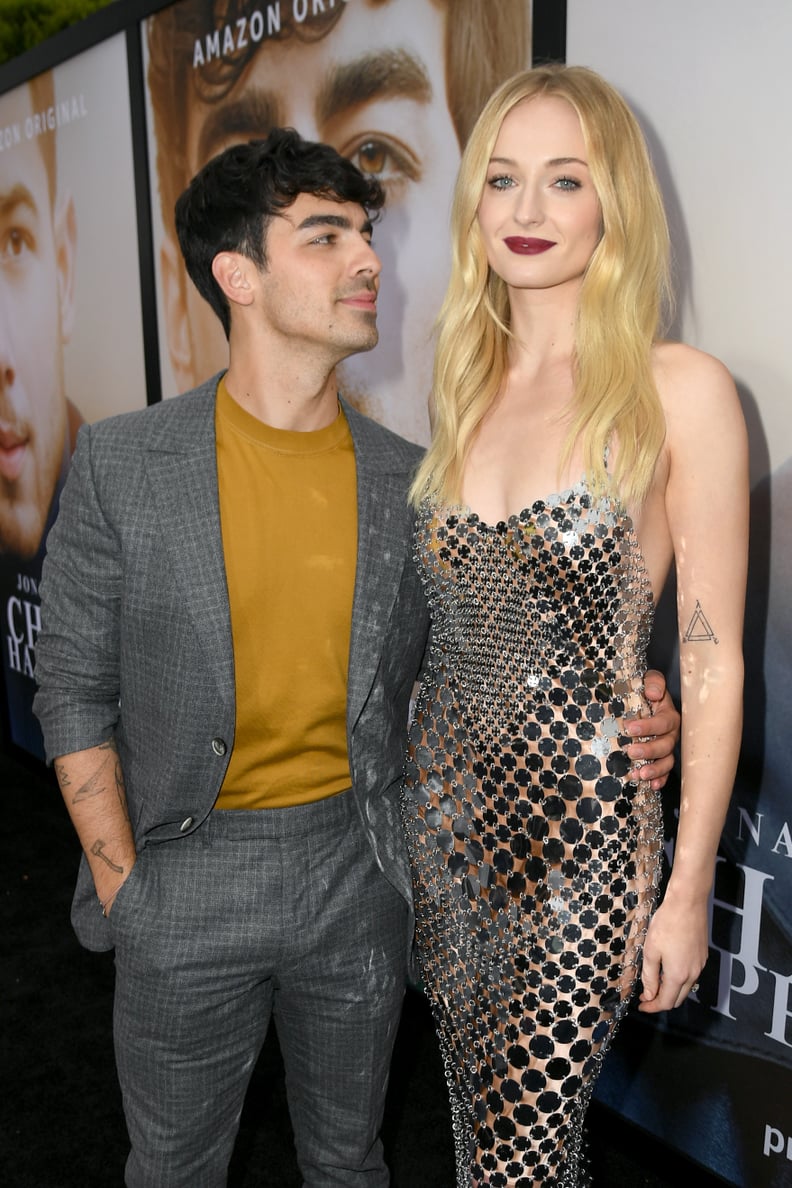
column 706, row 501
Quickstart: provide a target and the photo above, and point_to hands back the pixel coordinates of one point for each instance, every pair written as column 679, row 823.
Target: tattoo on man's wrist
column 97, row 850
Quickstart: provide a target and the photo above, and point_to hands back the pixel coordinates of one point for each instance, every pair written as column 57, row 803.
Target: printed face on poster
column 392, row 84
column 71, row 342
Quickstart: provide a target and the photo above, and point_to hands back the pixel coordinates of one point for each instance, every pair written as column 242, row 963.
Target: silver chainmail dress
column 535, row 857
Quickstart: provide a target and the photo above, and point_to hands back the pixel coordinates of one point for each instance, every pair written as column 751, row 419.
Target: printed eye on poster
column 71, row 345
column 394, row 86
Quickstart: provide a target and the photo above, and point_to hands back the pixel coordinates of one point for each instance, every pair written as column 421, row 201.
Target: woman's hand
column 675, row 952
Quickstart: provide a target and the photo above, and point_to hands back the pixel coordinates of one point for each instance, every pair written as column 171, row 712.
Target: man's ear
column 233, row 273
column 64, row 227
column 177, row 321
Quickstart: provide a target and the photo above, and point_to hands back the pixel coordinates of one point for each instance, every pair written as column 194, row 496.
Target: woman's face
column 539, row 214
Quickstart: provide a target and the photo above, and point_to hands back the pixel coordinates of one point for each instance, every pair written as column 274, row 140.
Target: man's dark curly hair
column 229, row 205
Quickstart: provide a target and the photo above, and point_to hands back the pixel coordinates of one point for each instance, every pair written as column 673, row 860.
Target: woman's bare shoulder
column 678, row 363
column 690, row 381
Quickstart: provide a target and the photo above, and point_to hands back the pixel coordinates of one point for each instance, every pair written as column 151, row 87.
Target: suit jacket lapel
column 380, row 558
column 183, row 476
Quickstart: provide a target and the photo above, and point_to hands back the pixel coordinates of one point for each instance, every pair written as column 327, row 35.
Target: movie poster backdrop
column 71, row 341
column 394, row 86
column 712, row 86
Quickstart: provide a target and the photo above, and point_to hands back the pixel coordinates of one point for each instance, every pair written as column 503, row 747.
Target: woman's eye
column 500, row 182
column 567, row 183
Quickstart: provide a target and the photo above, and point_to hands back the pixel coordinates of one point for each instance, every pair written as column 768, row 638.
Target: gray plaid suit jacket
column 136, row 630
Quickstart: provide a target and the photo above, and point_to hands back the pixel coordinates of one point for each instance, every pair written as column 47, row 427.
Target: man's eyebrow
column 382, row 75
column 18, row 195
column 331, row 220
column 249, row 117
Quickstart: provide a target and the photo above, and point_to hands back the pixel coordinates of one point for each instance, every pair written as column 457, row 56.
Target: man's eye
column 382, row 159
column 372, row 157
column 14, row 243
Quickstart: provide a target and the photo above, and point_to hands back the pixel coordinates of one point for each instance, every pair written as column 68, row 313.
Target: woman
column 535, row 848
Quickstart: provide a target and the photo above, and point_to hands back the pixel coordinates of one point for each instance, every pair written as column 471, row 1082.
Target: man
column 232, row 627
column 37, row 423
column 395, row 85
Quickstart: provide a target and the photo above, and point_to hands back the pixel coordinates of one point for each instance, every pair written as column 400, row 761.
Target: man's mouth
column 365, row 299
column 13, row 447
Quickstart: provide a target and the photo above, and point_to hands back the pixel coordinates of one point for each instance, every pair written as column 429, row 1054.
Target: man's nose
column 7, row 369
column 368, row 261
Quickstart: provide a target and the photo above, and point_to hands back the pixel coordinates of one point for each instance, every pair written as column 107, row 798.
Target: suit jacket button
column 218, row 746
column 186, row 823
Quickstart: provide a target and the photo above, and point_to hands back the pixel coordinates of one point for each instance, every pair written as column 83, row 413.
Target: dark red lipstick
column 528, row 247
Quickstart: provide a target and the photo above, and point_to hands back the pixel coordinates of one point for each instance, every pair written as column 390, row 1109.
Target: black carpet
column 62, row 1125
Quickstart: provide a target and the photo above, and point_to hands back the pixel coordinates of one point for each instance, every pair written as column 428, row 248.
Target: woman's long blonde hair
column 624, row 296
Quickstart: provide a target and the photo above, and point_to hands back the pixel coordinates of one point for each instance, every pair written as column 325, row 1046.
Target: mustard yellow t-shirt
column 288, row 513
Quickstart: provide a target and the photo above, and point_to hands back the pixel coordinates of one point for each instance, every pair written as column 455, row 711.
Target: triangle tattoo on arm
column 699, row 630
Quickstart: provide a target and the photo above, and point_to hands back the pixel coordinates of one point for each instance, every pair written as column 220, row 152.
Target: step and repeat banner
column 711, row 83
column 71, row 341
